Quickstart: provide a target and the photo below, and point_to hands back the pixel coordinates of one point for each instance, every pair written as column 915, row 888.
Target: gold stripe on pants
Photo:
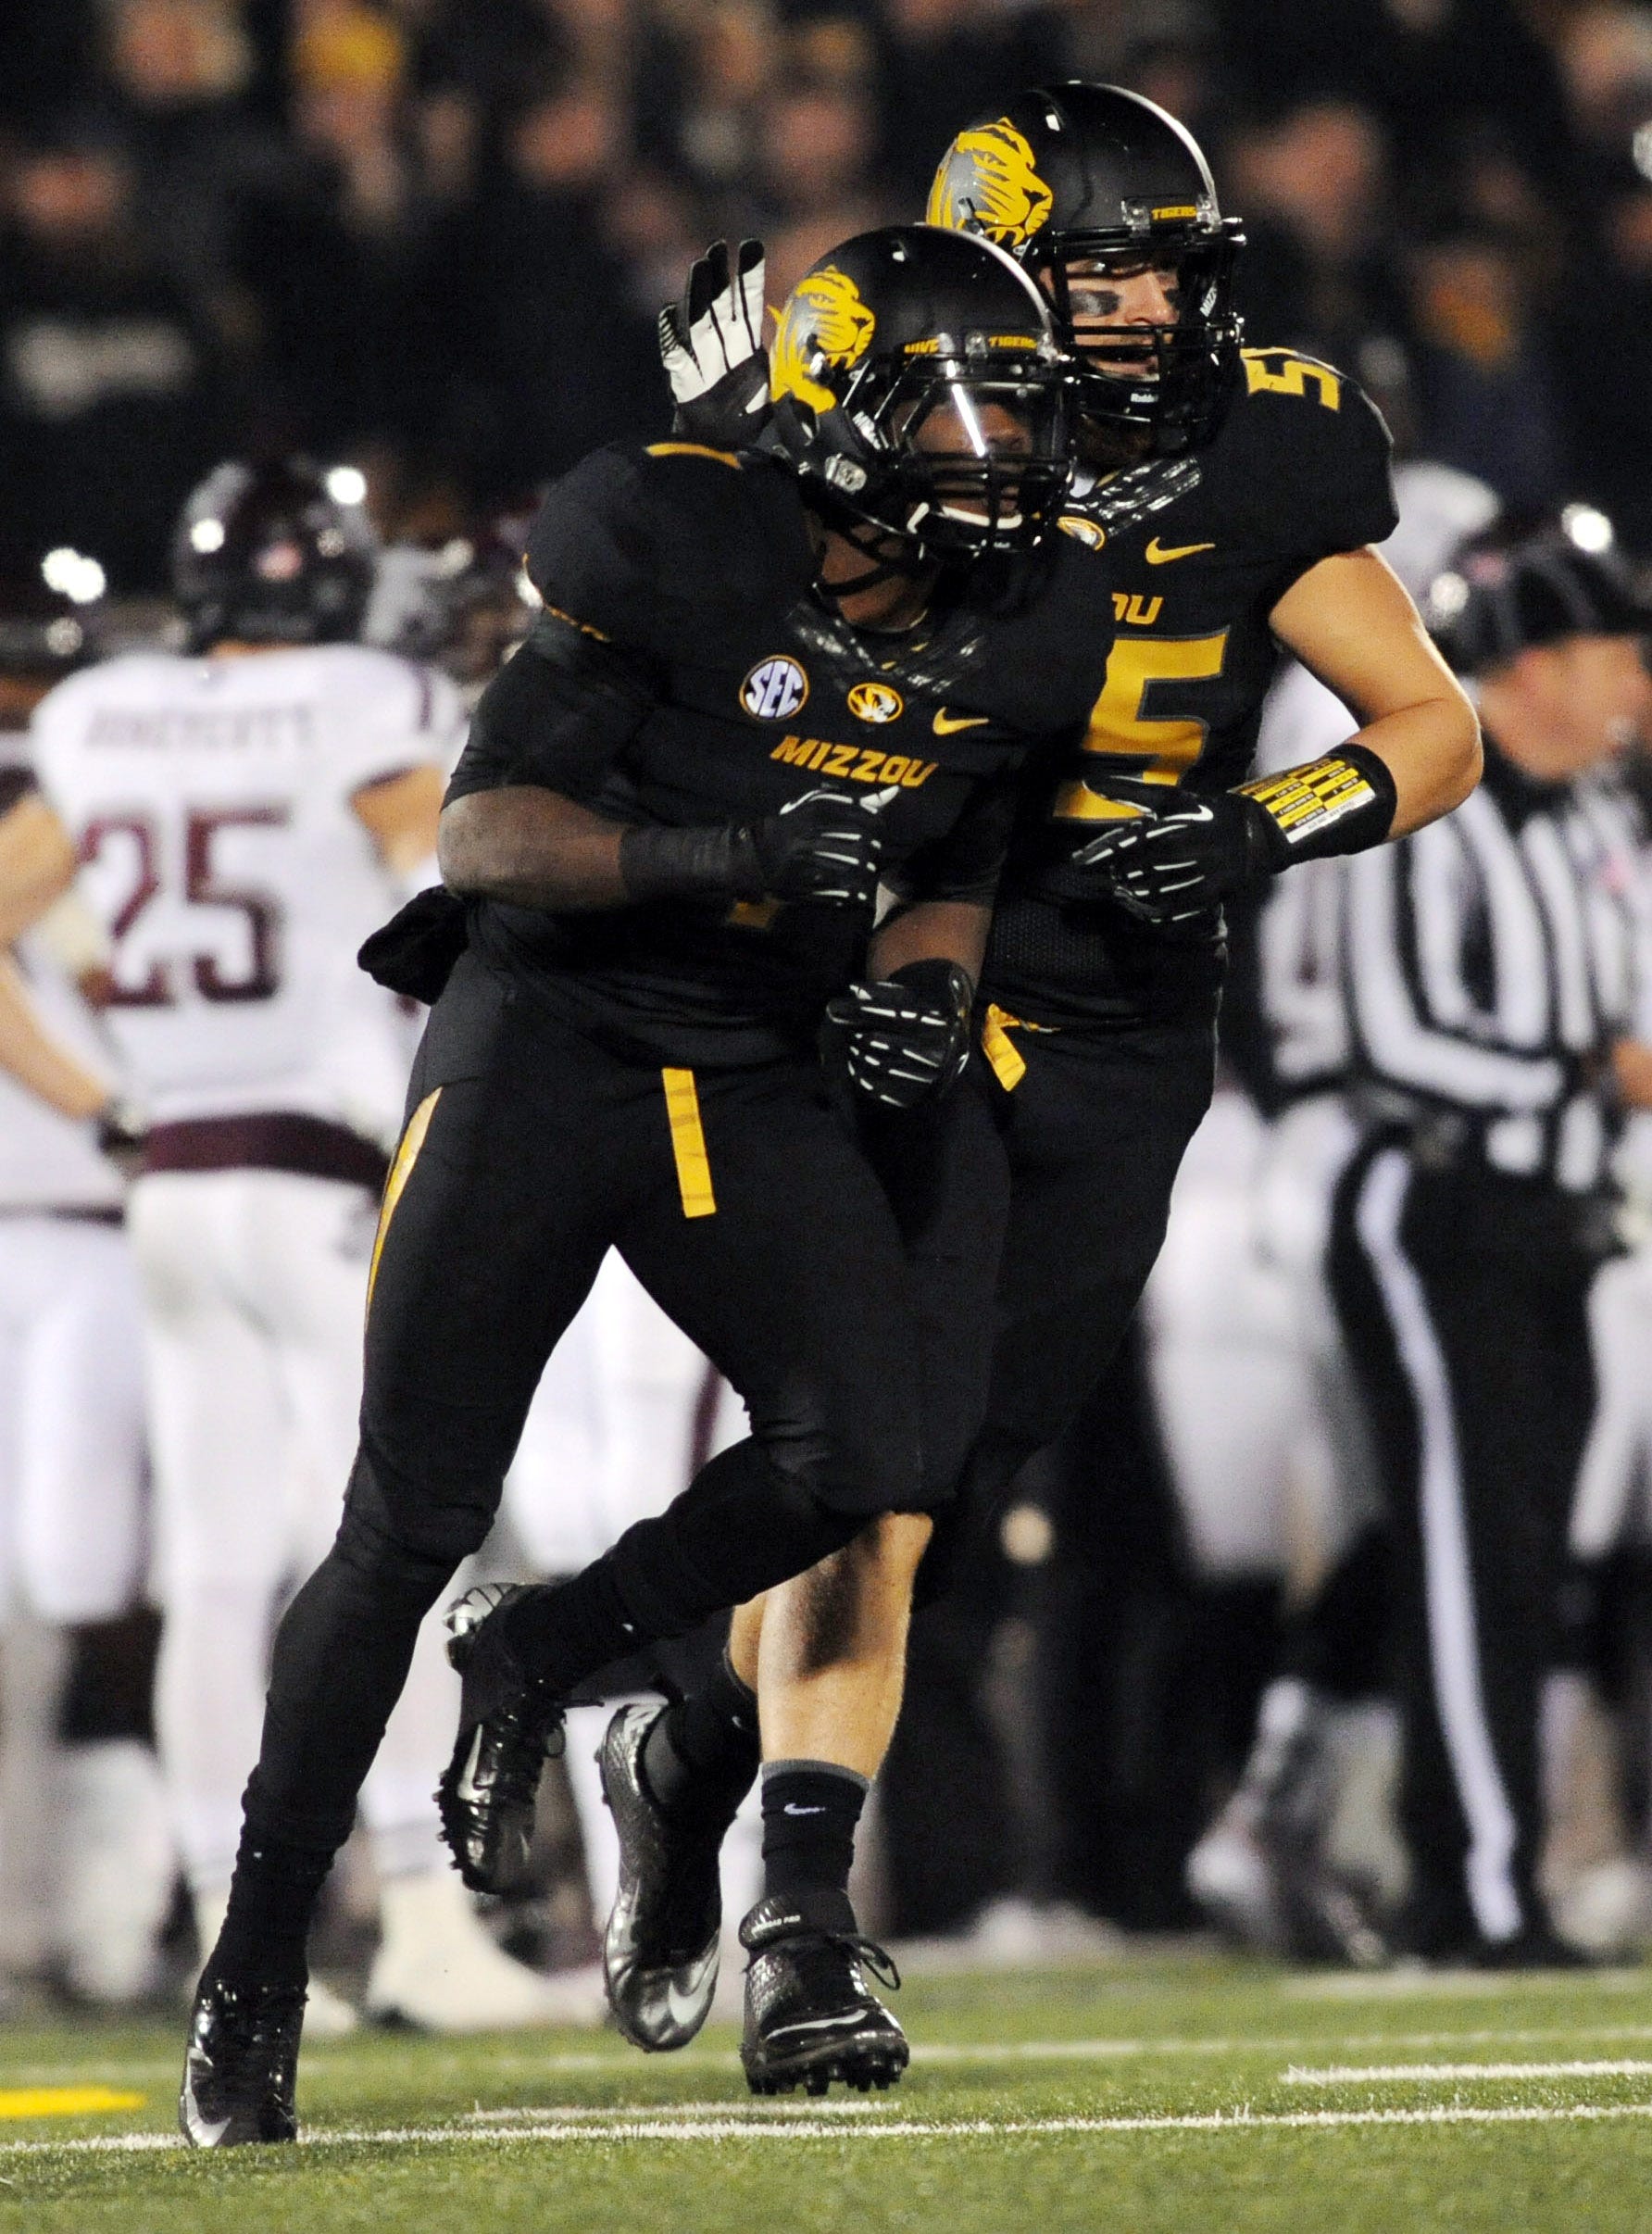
column 688, row 1144
column 401, row 1170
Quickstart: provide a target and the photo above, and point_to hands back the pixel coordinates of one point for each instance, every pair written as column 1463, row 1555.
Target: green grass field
column 1156, row 2093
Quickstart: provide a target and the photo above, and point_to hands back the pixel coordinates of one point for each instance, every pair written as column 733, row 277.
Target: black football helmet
column 919, row 390
column 1078, row 174
column 475, row 604
column 1528, row 582
column 274, row 554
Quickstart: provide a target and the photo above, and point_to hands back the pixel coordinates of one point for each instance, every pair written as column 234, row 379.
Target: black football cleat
column 659, row 1953
column 241, row 2065
column 811, row 2016
column 1536, row 1948
column 508, row 1727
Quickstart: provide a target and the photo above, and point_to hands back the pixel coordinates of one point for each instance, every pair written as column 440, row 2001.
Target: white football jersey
column 48, row 1162
column 210, row 800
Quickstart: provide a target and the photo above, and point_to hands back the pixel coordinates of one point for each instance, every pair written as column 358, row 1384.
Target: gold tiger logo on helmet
column 824, row 318
column 988, row 183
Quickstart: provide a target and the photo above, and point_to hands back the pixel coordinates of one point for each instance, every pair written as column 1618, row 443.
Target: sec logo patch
column 876, row 702
column 774, row 689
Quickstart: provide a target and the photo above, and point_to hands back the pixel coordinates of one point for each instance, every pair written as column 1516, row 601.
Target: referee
column 1491, row 965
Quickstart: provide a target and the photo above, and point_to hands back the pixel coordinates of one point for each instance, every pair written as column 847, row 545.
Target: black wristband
column 1342, row 803
column 947, row 983
column 704, row 861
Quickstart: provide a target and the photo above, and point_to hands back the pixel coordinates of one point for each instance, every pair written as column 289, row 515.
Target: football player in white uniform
column 73, row 1526
column 244, row 815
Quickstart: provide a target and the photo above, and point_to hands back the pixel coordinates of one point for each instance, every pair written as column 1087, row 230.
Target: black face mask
column 970, row 492
column 1162, row 388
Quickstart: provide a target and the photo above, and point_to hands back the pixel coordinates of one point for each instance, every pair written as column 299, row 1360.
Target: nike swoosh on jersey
column 1157, row 555
column 946, row 724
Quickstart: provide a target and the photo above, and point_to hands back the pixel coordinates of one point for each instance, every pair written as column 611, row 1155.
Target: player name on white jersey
column 212, row 803
column 203, row 728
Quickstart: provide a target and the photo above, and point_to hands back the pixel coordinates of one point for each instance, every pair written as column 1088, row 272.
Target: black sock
column 739, row 1528
column 110, row 1681
column 811, row 1809
column 273, row 1900
column 701, row 1757
column 560, row 1634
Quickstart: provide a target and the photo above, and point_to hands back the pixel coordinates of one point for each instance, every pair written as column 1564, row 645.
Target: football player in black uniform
column 761, row 684
column 1230, row 496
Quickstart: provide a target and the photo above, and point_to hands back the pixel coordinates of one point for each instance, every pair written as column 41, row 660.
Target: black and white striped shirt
column 1488, row 963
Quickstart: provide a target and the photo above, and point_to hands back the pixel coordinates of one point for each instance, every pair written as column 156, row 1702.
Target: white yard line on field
column 1052, row 2051
column 722, row 2128
column 1353, row 2075
column 589, row 2113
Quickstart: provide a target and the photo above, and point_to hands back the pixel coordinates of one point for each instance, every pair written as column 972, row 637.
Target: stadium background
column 430, row 237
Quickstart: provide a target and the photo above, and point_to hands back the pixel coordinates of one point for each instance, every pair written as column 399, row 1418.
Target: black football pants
column 1462, row 1298
column 1094, row 1123
column 746, row 1202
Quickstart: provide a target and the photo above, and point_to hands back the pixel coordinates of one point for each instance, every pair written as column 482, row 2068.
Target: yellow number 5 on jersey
column 1280, row 372
column 1158, row 748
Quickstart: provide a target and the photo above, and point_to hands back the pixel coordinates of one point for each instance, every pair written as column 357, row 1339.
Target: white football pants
column 253, row 1293
column 72, row 1532
column 1616, row 1474
column 1247, row 1377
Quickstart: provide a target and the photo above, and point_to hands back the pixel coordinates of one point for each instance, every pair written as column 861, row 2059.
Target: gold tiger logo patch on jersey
column 1085, row 531
column 988, row 183
column 876, row 702
column 824, row 324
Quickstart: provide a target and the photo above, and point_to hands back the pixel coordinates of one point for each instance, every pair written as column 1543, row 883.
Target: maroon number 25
column 159, row 987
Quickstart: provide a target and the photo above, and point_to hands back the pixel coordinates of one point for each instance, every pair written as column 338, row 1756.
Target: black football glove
column 903, row 1040
column 826, row 845
column 1173, row 857
column 711, row 345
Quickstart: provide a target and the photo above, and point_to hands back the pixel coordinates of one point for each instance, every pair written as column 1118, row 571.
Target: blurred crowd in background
column 432, row 235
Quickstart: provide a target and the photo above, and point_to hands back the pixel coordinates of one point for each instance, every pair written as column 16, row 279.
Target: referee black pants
column 1463, row 1301
column 748, row 1205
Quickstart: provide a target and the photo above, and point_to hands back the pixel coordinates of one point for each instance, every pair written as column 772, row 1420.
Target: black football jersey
column 727, row 688
column 1194, row 553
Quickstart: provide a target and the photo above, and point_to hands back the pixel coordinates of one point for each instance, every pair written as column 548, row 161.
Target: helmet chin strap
column 907, row 562
column 1108, row 448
